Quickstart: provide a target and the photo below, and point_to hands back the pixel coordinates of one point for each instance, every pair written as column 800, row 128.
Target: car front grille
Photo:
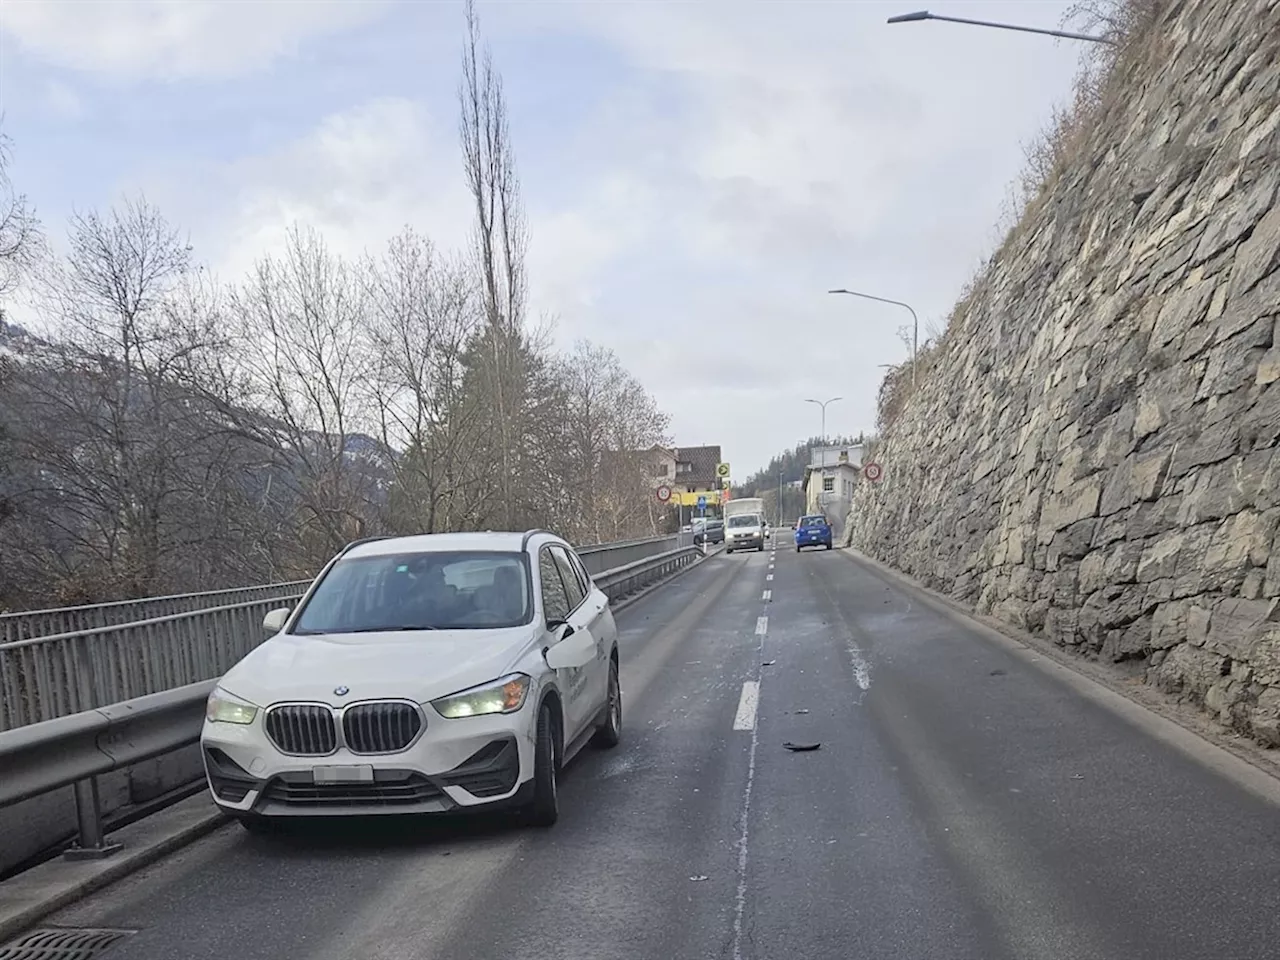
column 302, row 729
column 381, row 727
column 391, row 788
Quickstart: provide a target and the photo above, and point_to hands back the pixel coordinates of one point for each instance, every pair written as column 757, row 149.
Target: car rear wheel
column 797, row 548
column 610, row 734
column 544, row 808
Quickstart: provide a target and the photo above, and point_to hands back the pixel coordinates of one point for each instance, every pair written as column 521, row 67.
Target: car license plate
column 339, row 773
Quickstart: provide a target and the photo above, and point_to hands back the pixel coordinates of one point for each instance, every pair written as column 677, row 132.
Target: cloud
column 784, row 149
column 64, row 101
column 173, row 39
column 363, row 175
column 360, row 176
column 733, row 163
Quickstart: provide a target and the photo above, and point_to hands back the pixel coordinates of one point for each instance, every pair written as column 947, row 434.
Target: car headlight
column 501, row 696
column 225, row 708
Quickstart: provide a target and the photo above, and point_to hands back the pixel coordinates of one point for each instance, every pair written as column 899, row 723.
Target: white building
column 829, row 481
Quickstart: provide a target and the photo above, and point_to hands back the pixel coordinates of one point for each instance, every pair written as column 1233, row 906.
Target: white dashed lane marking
column 769, row 577
column 748, row 702
column 768, row 595
column 762, row 626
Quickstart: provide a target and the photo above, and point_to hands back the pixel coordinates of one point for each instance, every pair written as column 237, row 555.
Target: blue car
column 813, row 531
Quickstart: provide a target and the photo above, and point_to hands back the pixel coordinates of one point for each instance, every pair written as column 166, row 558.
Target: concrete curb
column 1194, row 734
column 31, row 896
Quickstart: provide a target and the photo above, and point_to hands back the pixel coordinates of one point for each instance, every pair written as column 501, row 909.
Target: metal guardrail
column 621, row 581
column 27, row 624
column 76, row 749
column 609, row 556
column 47, row 677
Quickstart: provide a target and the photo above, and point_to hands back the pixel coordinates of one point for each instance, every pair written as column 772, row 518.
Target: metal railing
column 48, row 677
column 44, row 676
column 27, row 624
column 77, row 748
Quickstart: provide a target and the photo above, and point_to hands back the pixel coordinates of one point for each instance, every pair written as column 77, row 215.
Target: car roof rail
column 363, row 540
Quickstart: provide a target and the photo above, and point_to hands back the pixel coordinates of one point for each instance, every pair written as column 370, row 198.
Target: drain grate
column 61, row 944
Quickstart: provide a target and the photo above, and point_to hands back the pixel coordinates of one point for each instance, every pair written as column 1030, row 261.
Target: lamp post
column 823, row 405
column 915, row 324
column 1066, row 34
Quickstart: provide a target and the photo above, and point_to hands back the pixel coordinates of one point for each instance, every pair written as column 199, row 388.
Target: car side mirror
column 575, row 648
column 275, row 619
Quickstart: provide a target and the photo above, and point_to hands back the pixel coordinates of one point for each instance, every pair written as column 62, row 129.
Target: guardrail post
column 92, row 844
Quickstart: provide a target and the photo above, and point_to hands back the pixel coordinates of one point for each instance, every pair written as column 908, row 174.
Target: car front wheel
column 544, row 808
column 610, row 733
column 259, row 825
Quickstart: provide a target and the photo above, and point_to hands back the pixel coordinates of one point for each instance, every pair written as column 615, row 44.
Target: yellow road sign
column 722, row 469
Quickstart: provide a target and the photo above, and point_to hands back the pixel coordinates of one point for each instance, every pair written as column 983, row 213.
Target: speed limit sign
column 872, row 472
column 663, row 493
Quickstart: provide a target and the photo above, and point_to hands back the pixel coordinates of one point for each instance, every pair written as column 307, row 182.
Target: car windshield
column 746, row 520
column 813, row 521
column 455, row 590
column 715, row 524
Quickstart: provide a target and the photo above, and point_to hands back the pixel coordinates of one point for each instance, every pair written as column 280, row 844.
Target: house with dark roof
column 695, row 474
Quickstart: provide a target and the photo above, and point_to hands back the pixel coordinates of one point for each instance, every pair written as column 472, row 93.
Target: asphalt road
column 963, row 804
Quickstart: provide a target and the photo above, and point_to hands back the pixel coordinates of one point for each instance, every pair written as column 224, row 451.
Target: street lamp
column 823, row 405
column 915, row 323
column 926, row 15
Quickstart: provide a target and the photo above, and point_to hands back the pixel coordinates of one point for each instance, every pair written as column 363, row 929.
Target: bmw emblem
column 341, row 691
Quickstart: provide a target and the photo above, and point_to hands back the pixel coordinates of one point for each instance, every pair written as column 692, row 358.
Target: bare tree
column 424, row 310
column 500, row 242
column 299, row 324
column 21, row 241
column 611, row 425
column 123, row 463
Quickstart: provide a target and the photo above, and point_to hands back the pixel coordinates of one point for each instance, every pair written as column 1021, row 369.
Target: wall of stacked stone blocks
column 1093, row 456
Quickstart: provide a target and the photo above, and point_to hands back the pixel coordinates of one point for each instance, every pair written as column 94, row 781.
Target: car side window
column 555, row 601
column 574, row 589
column 581, row 567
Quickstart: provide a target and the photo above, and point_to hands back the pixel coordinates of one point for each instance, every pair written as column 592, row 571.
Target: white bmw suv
column 423, row 674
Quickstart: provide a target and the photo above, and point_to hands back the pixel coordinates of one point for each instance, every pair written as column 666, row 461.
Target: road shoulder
column 1181, row 725
column 36, row 893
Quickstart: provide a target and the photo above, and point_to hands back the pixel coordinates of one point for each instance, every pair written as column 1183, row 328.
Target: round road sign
column 872, row 471
column 664, row 493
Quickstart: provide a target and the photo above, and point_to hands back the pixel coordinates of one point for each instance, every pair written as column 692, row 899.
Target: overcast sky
column 697, row 174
